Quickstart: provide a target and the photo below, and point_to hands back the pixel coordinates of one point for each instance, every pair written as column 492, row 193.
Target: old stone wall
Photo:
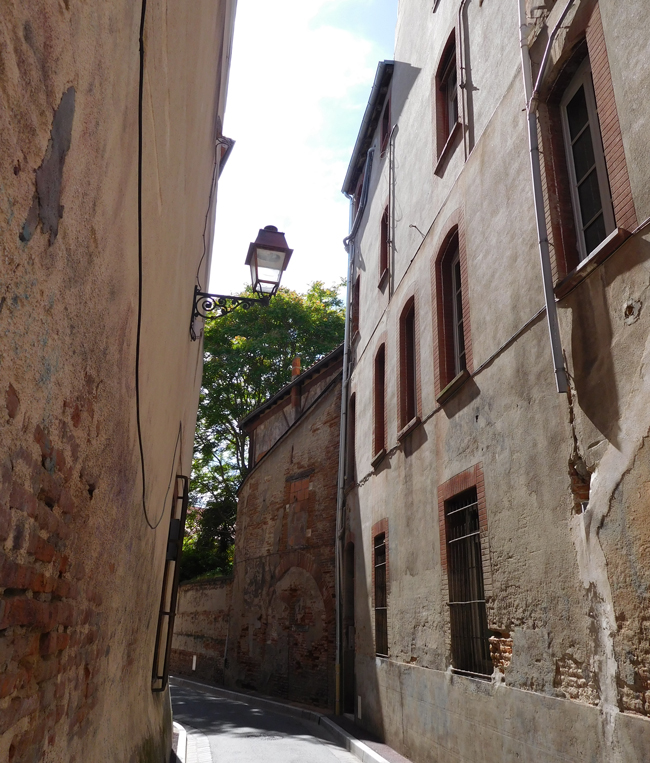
column 201, row 630
column 281, row 638
column 560, row 480
column 82, row 539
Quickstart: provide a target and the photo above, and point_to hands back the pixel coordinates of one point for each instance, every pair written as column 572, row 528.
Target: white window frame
column 583, row 79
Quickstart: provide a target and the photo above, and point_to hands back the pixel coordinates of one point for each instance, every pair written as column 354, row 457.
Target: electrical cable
column 153, row 526
column 221, row 141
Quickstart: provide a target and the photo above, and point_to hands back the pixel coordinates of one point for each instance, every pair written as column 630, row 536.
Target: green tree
column 247, row 359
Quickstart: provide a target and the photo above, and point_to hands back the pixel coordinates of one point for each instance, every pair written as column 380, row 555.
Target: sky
column 300, row 79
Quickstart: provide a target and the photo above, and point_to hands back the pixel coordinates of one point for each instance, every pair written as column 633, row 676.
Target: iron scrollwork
column 208, row 306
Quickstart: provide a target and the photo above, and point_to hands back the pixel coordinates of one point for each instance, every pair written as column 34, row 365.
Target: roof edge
column 368, row 124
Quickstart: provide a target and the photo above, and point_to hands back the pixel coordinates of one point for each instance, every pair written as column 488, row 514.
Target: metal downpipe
column 540, row 217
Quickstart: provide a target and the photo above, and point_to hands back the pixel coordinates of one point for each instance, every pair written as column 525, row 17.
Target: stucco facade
column 557, row 479
column 83, row 550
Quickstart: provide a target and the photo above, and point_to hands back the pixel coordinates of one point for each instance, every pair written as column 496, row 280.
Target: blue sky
column 300, row 80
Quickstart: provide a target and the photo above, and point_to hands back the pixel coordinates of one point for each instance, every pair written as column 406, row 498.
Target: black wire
column 137, row 343
column 219, row 142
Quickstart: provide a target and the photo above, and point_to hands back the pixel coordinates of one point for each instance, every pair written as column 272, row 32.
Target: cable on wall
column 152, row 525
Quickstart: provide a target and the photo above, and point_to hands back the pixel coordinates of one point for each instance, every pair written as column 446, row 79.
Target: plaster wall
column 81, row 570
column 201, row 629
column 567, row 590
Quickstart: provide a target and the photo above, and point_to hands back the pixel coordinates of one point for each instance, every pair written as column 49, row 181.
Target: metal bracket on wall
column 208, row 306
column 167, row 613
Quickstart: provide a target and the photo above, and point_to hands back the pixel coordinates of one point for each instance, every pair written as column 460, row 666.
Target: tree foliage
column 247, row 358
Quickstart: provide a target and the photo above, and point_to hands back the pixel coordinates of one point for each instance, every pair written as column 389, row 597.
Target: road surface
column 221, row 730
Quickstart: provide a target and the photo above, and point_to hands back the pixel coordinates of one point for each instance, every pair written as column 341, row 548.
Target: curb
column 181, row 747
column 342, row 737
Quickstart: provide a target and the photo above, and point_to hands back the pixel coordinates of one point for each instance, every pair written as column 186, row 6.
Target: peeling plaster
column 46, row 205
column 592, row 564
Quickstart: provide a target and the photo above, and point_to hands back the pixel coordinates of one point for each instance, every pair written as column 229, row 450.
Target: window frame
column 583, row 79
column 384, row 245
column 408, row 367
column 467, row 600
column 458, row 325
column 380, row 593
column 447, row 69
column 379, row 402
column 356, row 300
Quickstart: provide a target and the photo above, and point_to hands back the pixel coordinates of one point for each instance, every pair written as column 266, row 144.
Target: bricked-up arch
column 306, row 562
column 443, row 338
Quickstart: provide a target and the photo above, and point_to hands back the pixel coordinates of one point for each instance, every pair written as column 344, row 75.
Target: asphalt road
column 221, row 730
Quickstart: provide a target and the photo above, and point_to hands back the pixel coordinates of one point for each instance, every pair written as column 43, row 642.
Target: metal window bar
column 467, row 611
column 167, row 614
column 381, row 602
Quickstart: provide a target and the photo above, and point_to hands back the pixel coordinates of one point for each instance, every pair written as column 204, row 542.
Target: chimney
column 295, row 391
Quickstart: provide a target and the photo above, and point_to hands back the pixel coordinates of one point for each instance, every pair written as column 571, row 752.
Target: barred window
column 470, row 648
column 381, row 600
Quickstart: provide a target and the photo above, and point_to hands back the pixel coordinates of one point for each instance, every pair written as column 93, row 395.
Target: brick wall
column 282, row 625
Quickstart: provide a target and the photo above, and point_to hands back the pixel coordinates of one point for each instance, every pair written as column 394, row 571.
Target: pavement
column 226, row 725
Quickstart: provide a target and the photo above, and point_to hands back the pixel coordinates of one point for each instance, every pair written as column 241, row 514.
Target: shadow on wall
column 368, row 703
column 591, row 341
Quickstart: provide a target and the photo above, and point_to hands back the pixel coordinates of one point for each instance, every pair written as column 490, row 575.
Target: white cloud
column 296, row 97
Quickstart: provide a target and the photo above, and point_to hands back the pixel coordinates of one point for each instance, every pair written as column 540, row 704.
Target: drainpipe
column 391, row 215
column 348, row 242
column 463, row 74
column 538, row 196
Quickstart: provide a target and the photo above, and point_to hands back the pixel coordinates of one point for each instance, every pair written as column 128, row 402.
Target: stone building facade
column 88, row 321
column 281, row 632
column 495, row 562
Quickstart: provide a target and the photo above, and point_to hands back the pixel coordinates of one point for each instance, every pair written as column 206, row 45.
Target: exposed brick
column 23, row 500
column 28, row 612
column 44, row 551
column 17, row 709
column 12, row 401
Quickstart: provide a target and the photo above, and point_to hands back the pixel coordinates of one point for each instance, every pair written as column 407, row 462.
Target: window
column 385, row 126
column 381, row 599
column 380, row 401
column 350, row 472
column 590, row 193
column 383, row 245
column 470, row 647
column 408, row 370
column 456, row 297
column 356, row 203
column 447, row 94
column 355, row 306
column 453, row 325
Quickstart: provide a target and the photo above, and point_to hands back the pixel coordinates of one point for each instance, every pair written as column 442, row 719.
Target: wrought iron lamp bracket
column 208, row 306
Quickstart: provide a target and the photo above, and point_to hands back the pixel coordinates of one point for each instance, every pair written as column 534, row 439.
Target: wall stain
column 46, row 205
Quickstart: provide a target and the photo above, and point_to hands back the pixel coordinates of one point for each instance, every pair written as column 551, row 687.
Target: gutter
column 348, row 242
column 538, row 193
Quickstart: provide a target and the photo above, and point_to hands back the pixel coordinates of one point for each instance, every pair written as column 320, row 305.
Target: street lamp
column 268, row 257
